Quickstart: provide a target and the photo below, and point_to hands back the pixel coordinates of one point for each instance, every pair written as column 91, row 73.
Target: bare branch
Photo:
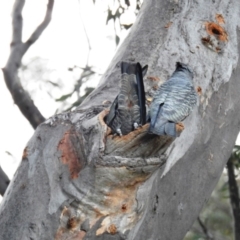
column 234, row 197
column 39, row 30
column 204, row 229
column 4, row 181
column 21, row 97
column 17, row 21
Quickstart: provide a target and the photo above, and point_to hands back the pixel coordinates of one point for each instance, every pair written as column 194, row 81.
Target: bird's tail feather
column 157, row 130
column 157, row 127
column 141, row 93
column 170, row 129
column 164, row 128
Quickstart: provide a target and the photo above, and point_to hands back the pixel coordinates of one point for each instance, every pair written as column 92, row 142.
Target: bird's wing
column 112, row 113
column 128, row 103
column 128, row 109
column 141, row 92
column 159, row 99
column 179, row 102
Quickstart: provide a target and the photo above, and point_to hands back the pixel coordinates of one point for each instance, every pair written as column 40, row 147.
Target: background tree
column 179, row 160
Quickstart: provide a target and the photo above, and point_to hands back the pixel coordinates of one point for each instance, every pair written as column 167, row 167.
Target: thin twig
column 87, row 67
column 204, row 229
column 17, row 21
column 86, row 34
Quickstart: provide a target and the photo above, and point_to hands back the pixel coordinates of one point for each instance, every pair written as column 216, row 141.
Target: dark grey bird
column 173, row 102
column 128, row 111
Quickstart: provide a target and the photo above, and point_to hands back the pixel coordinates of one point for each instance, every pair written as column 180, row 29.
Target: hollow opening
column 216, row 30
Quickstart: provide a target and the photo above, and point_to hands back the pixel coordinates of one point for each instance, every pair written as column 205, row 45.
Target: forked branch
column 20, row 96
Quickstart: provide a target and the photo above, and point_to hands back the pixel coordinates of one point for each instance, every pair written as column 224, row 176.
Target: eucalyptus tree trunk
column 77, row 181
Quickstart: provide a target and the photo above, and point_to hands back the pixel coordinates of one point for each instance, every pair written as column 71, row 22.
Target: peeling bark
column 78, row 182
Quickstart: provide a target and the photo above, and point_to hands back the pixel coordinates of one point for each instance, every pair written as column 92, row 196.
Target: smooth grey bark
column 78, row 182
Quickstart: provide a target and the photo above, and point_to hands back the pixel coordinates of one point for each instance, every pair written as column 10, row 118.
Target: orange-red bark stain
column 72, row 223
column 124, row 207
column 216, row 30
column 102, row 115
column 206, row 40
column 199, row 90
column 25, row 153
column 69, row 154
column 218, row 49
column 112, row 229
column 98, row 213
column 220, row 18
column 130, row 136
column 152, row 78
column 64, row 234
column 168, row 25
column 179, row 127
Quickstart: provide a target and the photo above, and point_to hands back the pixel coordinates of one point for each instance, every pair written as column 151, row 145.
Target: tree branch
column 234, row 196
column 39, row 30
column 21, row 97
column 17, row 21
column 204, row 229
column 4, row 181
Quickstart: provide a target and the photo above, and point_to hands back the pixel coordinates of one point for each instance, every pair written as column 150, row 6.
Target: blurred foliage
column 119, row 8
column 68, row 91
column 86, row 74
column 43, row 81
column 88, row 90
column 236, row 156
column 38, row 78
column 216, row 220
column 216, row 216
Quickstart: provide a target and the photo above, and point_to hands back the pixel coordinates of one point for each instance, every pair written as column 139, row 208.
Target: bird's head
column 184, row 67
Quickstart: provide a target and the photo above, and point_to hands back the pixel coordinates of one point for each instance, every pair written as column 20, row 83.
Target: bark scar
column 69, row 154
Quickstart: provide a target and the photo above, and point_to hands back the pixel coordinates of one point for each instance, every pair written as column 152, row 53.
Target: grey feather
column 128, row 108
column 173, row 102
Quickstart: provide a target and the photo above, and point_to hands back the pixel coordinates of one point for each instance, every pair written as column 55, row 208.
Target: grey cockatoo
column 128, row 111
column 173, row 102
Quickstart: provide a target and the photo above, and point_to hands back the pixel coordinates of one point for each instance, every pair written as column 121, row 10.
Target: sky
column 62, row 45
